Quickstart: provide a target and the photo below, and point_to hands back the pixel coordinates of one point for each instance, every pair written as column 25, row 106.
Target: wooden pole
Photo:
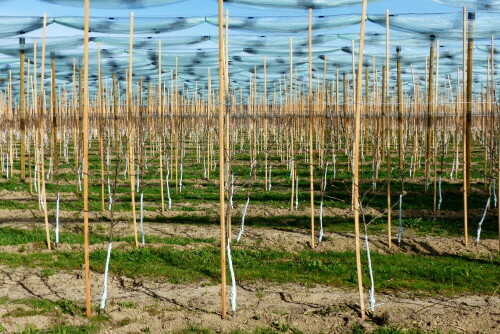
column 292, row 150
column 468, row 119
column 357, row 135
column 400, row 109
column 100, row 124
column 42, row 135
column 131, row 141
column 386, row 75
column 386, row 124
column 430, row 100
column 222, row 162
column 53, row 108
column 388, row 153
column 160, row 114
column 22, row 111
column 86, row 157
column 311, row 126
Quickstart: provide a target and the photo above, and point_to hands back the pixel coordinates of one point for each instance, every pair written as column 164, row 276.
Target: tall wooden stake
column 86, row 156
column 430, row 100
column 22, row 109
column 468, row 120
column 131, row 141
column 400, row 110
column 386, row 124
column 160, row 113
column 356, row 148
column 311, row 126
column 43, row 191
column 222, row 162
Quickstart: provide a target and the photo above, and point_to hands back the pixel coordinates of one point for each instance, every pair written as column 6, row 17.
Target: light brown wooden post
column 292, row 148
column 400, row 109
column 388, row 153
column 385, row 123
column 311, row 126
column 266, row 130
column 357, row 135
column 464, row 116
column 53, row 108
column 79, row 129
column 100, row 124
column 22, row 111
column 468, row 119
column 42, row 190
column 160, row 114
column 222, row 162
column 429, row 117
column 86, row 157
column 131, row 134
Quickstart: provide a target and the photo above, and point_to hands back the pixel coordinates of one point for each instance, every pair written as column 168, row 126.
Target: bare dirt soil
column 142, row 305
column 134, row 305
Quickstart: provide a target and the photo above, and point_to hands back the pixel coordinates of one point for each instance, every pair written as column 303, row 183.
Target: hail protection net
column 281, row 41
column 121, row 25
column 18, row 25
column 260, row 46
column 298, row 4
column 487, row 5
column 443, row 26
column 290, row 24
column 150, row 42
column 114, row 4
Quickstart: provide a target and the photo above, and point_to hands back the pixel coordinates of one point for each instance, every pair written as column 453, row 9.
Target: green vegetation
column 445, row 274
column 12, row 236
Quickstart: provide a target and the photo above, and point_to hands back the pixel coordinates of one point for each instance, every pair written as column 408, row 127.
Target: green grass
column 37, row 306
column 445, row 274
column 63, row 329
column 13, row 236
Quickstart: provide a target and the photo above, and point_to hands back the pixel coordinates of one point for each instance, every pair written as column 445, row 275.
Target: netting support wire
column 105, row 279
column 478, row 237
column 233, row 279
column 242, row 229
